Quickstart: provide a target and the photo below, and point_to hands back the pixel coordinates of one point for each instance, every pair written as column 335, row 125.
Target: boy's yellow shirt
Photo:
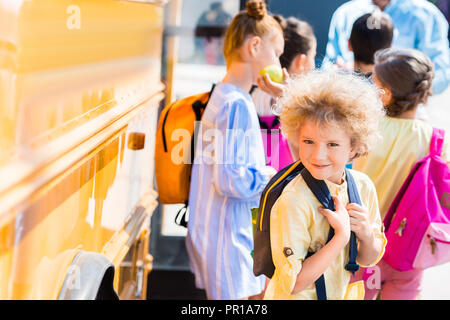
column 404, row 142
column 296, row 227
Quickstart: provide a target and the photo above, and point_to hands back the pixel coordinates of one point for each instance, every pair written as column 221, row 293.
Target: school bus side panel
column 72, row 95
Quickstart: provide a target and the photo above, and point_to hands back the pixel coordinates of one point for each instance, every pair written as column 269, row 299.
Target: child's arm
column 369, row 247
column 235, row 154
column 315, row 266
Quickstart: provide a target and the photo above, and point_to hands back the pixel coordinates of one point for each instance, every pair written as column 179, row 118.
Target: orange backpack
column 174, row 147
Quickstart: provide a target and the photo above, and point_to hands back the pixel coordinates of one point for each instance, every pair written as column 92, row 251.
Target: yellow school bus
column 79, row 95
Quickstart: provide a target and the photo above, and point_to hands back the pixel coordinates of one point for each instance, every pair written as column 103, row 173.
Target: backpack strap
column 269, row 127
column 320, row 190
column 262, row 124
column 437, row 141
column 353, row 197
column 321, row 290
column 275, row 122
column 198, row 107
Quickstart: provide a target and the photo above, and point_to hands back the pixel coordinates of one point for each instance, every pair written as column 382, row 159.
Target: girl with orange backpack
column 229, row 171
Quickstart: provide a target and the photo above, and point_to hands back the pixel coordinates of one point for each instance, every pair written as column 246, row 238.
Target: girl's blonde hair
column 331, row 97
column 254, row 21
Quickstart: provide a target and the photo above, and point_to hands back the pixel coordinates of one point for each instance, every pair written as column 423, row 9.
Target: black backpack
column 262, row 253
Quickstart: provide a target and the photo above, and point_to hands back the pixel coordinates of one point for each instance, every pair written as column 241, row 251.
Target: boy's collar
column 342, row 182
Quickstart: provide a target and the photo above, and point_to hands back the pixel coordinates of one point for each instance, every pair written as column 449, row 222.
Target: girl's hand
column 359, row 223
column 273, row 88
column 339, row 219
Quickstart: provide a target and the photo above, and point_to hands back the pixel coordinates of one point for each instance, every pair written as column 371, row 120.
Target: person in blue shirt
column 418, row 24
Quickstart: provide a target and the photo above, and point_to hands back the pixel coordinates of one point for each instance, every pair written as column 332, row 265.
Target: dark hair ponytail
column 408, row 74
column 298, row 39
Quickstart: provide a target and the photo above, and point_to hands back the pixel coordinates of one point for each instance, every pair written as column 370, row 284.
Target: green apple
column 275, row 73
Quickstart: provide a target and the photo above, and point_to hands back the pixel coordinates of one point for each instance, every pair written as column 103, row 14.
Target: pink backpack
column 417, row 224
column 276, row 147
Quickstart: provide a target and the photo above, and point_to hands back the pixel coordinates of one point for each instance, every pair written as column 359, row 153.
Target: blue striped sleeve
column 239, row 169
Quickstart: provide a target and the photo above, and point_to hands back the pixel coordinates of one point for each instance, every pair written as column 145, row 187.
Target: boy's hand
column 359, row 222
column 339, row 219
